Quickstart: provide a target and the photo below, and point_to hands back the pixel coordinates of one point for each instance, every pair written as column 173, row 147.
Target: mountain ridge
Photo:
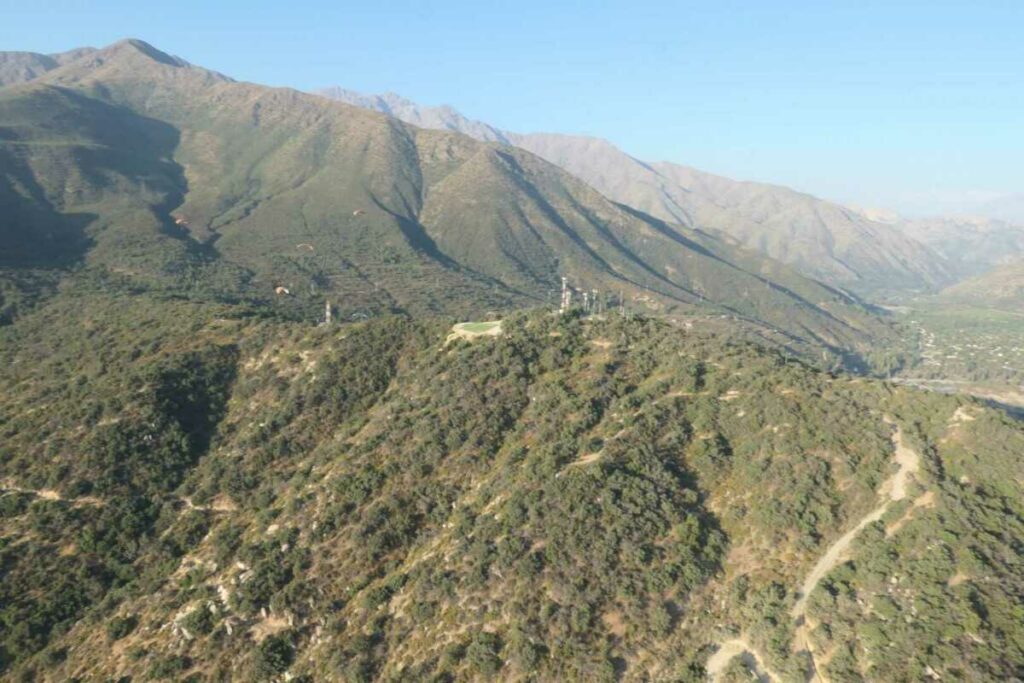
column 441, row 118
column 253, row 190
column 824, row 240
column 19, row 67
column 845, row 248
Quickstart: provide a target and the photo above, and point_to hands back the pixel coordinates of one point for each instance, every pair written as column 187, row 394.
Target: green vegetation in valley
column 968, row 344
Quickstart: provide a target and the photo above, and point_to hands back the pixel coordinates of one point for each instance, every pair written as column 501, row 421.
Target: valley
column 956, row 348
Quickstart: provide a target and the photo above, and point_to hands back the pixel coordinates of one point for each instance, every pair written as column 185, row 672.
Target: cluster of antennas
column 589, row 301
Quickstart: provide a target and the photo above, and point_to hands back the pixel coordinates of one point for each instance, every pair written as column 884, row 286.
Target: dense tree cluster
column 578, row 499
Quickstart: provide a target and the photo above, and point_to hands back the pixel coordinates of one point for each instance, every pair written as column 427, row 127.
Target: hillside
column 19, row 67
column 221, row 497
column 1002, row 287
column 160, row 175
column 821, row 239
column 970, row 246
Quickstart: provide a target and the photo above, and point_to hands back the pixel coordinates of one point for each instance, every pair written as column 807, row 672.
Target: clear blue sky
column 912, row 105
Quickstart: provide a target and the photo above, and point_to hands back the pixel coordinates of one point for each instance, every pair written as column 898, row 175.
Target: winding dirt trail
column 7, row 486
column 892, row 489
column 737, row 647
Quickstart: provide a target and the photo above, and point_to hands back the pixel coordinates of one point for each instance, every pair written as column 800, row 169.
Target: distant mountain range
column 436, row 118
column 163, row 175
column 839, row 245
column 867, row 252
column 970, row 245
column 18, row 67
column 1008, row 208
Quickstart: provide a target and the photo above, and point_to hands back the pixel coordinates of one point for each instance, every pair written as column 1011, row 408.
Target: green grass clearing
column 479, row 328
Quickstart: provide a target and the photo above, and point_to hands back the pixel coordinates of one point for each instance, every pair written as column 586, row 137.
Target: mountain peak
column 135, row 45
column 443, row 117
column 126, row 58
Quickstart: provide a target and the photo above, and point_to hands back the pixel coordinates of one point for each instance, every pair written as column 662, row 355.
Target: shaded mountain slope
column 73, row 167
column 821, row 239
column 236, row 190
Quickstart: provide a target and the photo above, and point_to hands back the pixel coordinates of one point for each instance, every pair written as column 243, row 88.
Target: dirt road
column 733, row 648
column 892, row 489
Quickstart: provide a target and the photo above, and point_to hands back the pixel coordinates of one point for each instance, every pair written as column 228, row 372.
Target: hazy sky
column 916, row 106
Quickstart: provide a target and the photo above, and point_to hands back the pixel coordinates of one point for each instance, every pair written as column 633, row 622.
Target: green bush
column 119, row 627
column 274, row 655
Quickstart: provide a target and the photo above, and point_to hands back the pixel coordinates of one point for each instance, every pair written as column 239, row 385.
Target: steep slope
column 217, row 496
column 824, row 239
column 821, row 239
column 231, row 190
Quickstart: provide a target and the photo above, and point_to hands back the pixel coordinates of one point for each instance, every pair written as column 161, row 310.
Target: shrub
column 119, row 627
column 482, row 654
column 274, row 655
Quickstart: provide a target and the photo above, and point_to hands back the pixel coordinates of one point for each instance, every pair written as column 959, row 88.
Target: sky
column 913, row 106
